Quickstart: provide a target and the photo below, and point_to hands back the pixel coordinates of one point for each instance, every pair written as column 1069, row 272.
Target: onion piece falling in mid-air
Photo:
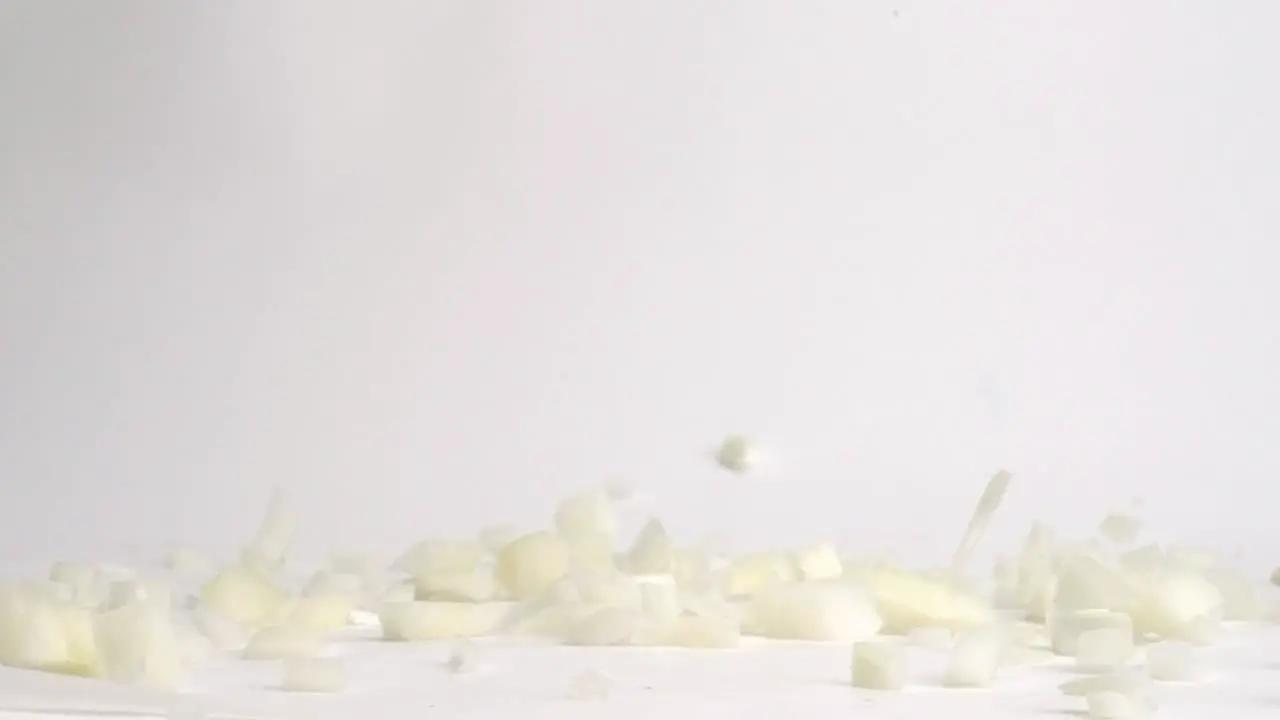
column 737, row 454
column 992, row 495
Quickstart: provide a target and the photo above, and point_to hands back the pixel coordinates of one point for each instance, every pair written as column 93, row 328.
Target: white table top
column 761, row 680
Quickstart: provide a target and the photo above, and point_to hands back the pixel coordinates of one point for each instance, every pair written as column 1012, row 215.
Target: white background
column 428, row 265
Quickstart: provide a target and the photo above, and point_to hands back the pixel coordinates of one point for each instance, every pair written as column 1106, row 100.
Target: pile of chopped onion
column 1125, row 614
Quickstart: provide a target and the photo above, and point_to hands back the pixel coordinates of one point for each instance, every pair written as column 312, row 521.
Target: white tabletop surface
column 529, row 681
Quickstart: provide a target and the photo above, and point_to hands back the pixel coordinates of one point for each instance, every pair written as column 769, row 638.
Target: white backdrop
column 428, row 265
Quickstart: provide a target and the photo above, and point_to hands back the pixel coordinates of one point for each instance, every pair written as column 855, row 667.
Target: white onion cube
column 137, row 644
column 529, row 565
column 421, row 621
column 606, row 626
column 879, row 666
column 1104, row 649
column 702, row 631
column 650, row 554
column 931, row 637
column 476, row 585
column 974, row 660
column 736, row 454
column 1065, row 628
column 659, row 598
column 813, row 611
column 1120, row 528
column 283, row 642
column 819, row 562
column 1128, row 681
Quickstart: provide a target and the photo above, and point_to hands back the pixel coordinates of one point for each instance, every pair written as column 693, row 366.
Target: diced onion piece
column 1192, row 559
column 283, row 642
column 316, row 675
column 364, row 619
column 650, row 553
column 44, row 632
column 879, row 666
column 224, row 634
column 606, row 626
column 123, row 592
column 689, row 566
column 708, row 604
column 1108, row 705
column 1066, row 627
column 609, row 590
column 1104, row 649
column 421, row 621
column 193, row 647
column 1204, row 630
column 399, row 592
column 137, row 644
column 908, row 600
column 329, row 582
column 546, row 620
column 1095, row 549
column 275, row 532
column 931, row 637
column 1240, row 600
column 589, row 527
column 1174, row 662
column 819, row 562
column 529, row 617
column 1028, row 634
column 1172, row 599
column 975, row 659
column 1084, row 583
column 114, row 572
column 1275, row 577
column 1037, row 585
column 49, row 590
column 81, row 578
column 1036, row 578
column 1144, row 560
column 992, row 495
column 751, row 574
column 1129, row 681
column 1020, row 655
column 813, row 611
column 1006, row 583
column 590, row 685
column 120, row 594
column 702, row 631
column 323, row 612
column 495, row 537
column 659, row 598
column 243, row 595
column 736, row 454
column 439, row 556
column 477, row 585
column 1120, row 528
column 79, row 633
column 529, row 565
column 32, row 635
